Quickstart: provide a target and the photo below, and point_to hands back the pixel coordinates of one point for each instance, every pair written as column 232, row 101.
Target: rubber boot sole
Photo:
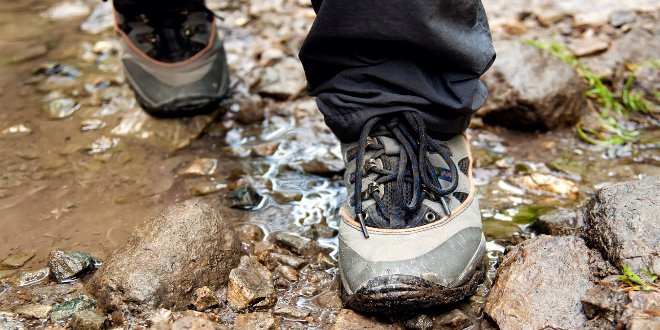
column 405, row 294
column 184, row 107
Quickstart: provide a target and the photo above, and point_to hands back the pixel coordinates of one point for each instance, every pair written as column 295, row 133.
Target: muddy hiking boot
column 172, row 55
column 410, row 237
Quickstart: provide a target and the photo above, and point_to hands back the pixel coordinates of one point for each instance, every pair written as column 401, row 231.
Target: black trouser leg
column 366, row 58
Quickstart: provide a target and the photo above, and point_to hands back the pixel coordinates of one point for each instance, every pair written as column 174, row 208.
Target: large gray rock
column 636, row 46
column 188, row 246
column 540, row 283
column 622, row 223
column 530, row 89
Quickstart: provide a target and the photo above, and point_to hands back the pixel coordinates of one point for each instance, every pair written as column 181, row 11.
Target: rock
column 540, row 283
column 636, row 46
column 643, row 311
column 176, row 134
column 561, row 223
column 32, row 277
column 321, row 230
column 256, row 320
column 588, row 46
column 34, row 311
column 88, row 320
column 531, row 89
column 590, row 19
column 204, row 299
column 66, row 266
column 206, row 187
column 454, row 320
column 284, row 80
column 604, row 302
column 291, row 312
column 287, row 272
column 17, row 260
column 293, row 261
column 250, row 233
column 250, row 284
column 550, row 184
column 251, row 110
column 350, row 320
column 293, row 243
column 263, row 149
column 200, row 166
column 195, row 323
column 330, row 300
column 284, row 197
column 421, row 322
column 65, row 310
column 61, row 108
column 244, row 197
column 188, row 246
column 622, row 223
column 498, row 229
column 325, row 165
column 619, row 18
column 10, row 321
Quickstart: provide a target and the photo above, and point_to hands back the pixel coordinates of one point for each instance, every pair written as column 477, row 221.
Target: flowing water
column 82, row 165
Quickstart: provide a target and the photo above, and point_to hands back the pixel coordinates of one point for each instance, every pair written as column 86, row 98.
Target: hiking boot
column 172, row 56
column 410, row 237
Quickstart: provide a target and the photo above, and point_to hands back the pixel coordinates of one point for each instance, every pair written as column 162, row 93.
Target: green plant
column 631, row 279
column 615, row 108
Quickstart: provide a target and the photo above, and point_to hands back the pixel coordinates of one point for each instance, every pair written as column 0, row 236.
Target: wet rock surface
column 561, row 223
column 65, row 310
column 530, row 89
column 250, row 284
column 66, row 266
column 540, row 283
column 189, row 246
column 88, row 320
column 622, row 223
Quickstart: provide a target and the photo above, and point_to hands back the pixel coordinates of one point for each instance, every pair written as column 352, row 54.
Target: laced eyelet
column 430, row 216
column 370, row 165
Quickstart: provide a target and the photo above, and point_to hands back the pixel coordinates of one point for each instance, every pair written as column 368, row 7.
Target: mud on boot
column 410, row 237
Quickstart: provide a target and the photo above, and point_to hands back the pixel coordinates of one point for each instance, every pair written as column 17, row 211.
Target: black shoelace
column 414, row 166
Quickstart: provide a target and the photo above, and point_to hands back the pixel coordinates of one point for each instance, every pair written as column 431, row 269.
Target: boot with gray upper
column 172, row 55
column 410, row 237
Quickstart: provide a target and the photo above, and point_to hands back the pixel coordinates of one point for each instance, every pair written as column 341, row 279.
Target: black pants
column 366, row 58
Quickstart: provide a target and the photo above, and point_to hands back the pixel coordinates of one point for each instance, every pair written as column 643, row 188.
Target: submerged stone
column 244, row 197
column 18, row 260
column 32, row 277
column 294, row 243
column 66, row 266
column 64, row 311
column 201, row 166
column 61, row 108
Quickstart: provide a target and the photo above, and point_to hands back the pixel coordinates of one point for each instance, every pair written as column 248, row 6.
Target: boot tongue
column 392, row 148
column 395, row 196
